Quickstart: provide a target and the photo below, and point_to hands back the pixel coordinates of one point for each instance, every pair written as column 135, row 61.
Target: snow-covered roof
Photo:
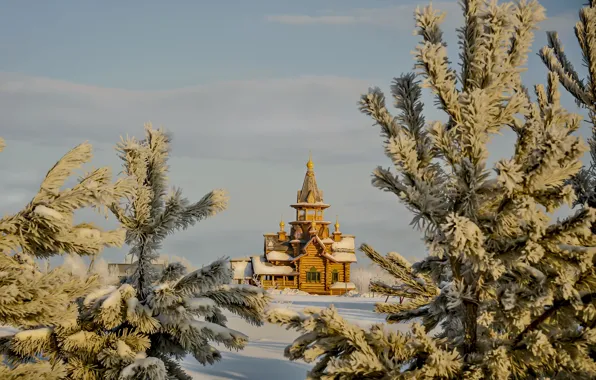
column 344, row 257
column 343, row 285
column 247, row 258
column 328, row 241
column 242, row 269
column 346, row 244
column 261, row 267
column 278, row 256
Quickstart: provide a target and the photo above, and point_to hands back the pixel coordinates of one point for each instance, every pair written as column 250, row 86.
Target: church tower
column 310, row 209
column 308, row 257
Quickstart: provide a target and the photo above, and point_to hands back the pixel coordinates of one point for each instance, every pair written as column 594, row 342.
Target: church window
column 334, row 276
column 313, row 276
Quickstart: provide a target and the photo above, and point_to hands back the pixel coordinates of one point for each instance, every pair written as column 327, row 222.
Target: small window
column 334, row 276
column 313, row 276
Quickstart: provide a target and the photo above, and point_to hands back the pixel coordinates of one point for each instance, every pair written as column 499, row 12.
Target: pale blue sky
column 170, row 44
column 246, row 87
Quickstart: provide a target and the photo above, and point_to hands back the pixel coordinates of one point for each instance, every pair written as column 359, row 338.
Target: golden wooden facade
column 310, row 258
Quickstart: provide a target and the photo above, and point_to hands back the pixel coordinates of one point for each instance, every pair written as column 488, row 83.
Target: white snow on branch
column 47, row 212
column 129, row 371
column 219, row 332
column 131, row 304
column 88, row 233
column 162, row 287
column 98, row 294
column 112, row 300
column 284, row 313
column 35, row 334
column 123, row 349
column 199, row 303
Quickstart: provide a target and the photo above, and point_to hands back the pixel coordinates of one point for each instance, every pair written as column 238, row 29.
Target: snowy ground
column 263, row 358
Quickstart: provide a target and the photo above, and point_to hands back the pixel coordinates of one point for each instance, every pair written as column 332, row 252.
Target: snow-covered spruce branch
column 142, row 327
column 582, row 89
column 119, row 336
column 504, row 292
column 204, row 279
column 42, row 301
column 411, row 284
column 242, row 300
column 176, row 312
column 45, row 226
column 342, row 350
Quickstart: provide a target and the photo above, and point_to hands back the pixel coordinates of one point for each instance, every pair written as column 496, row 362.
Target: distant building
column 310, row 258
column 242, row 268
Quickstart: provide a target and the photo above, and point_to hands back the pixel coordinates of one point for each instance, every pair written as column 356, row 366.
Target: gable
column 315, row 242
column 272, row 243
column 314, row 247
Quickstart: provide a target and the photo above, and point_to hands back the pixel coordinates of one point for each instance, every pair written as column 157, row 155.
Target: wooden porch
column 278, row 282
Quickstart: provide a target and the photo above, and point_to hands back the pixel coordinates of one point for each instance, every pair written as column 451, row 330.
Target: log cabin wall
column 347, row 271
column 309, row 260
column 339, row 267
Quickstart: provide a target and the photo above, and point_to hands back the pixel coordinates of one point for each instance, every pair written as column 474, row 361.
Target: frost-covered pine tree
column 583, row 90
column 505, row 292
column 33, row 301
column 180, row 313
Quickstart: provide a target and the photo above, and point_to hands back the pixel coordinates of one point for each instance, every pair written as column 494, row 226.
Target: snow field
column 263, row 357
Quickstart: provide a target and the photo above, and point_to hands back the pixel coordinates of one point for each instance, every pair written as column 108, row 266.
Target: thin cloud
column 306, row 20
column 234, row 120
column 398, row 17
column 562, row 23
column 401, row 17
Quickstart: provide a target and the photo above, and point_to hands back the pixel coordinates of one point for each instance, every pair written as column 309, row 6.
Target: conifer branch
column 498, row 269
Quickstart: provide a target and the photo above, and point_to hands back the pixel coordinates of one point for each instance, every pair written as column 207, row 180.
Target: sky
column 246, row 88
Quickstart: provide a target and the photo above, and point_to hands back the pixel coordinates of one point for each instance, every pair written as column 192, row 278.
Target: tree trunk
column 470, row 327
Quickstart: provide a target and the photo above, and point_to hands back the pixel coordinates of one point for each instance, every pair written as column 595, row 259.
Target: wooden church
column 310, row 258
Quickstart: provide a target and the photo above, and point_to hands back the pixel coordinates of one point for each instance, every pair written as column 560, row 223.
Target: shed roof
column 242, row 270
column 260, row 266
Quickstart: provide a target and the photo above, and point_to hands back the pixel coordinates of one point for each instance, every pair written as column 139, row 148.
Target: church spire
column 310, row 192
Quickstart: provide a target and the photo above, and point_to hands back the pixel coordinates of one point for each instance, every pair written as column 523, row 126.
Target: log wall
column 309, row 260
